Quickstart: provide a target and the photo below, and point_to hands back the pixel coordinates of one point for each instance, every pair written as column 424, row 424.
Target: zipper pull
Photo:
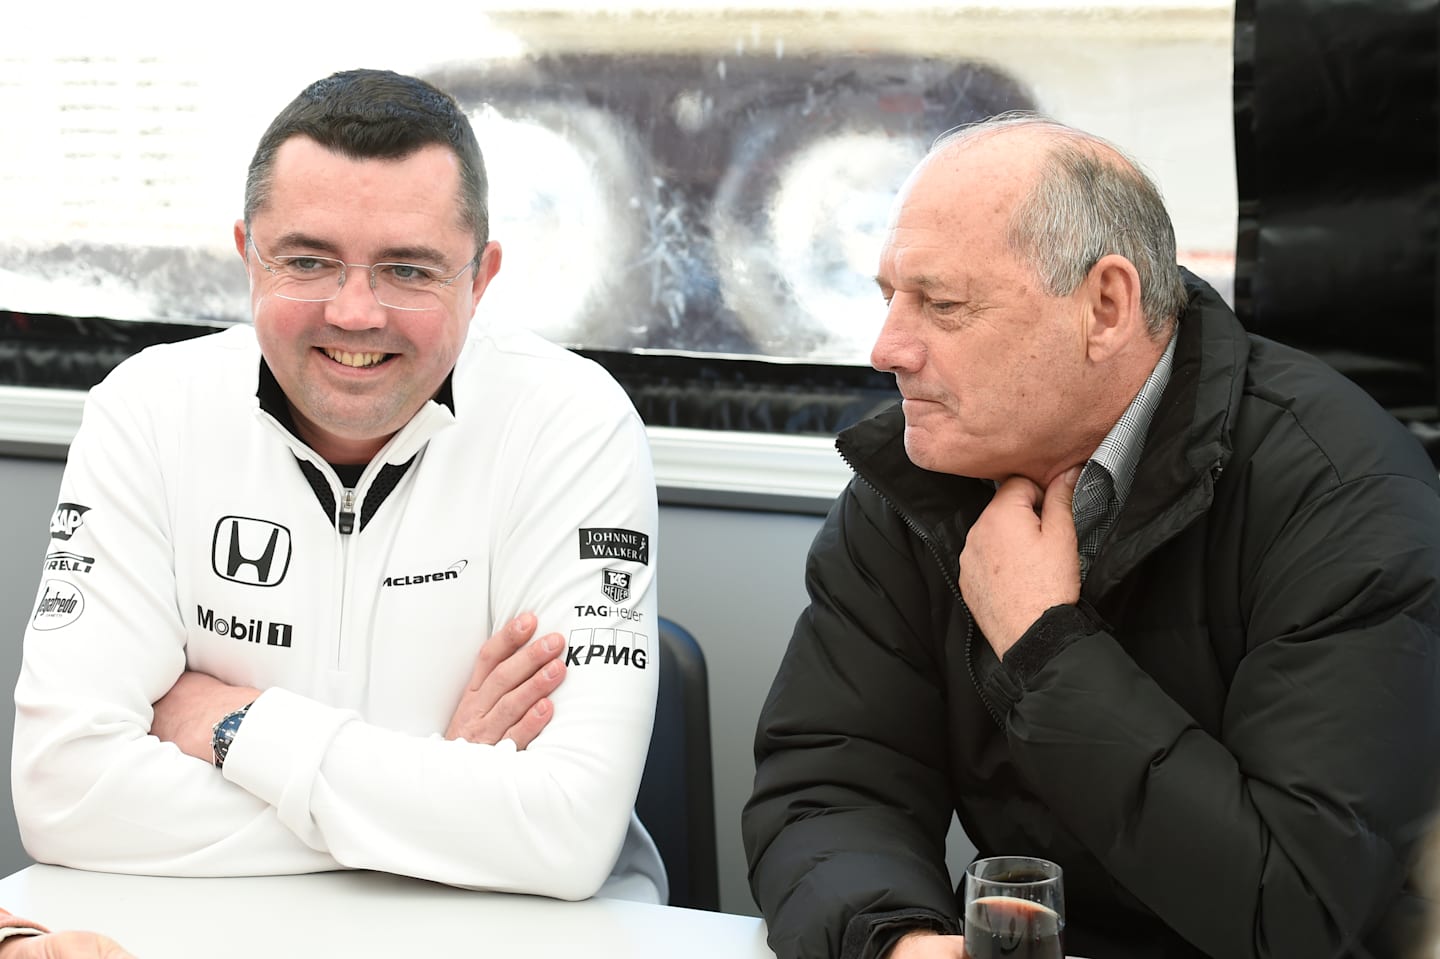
column 346, row 521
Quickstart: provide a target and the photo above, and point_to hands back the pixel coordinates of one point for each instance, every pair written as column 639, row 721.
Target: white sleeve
column 550, row 819
column 92, row 788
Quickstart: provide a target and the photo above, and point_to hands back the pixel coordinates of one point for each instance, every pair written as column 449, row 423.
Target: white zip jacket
column 188, row 536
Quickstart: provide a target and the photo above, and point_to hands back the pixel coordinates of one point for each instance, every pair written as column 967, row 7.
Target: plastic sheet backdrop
column 1337, row 142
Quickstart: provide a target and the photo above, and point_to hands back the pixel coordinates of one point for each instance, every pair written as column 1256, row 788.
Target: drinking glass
column 1014, row 909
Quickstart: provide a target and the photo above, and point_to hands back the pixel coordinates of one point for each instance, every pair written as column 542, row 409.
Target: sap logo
column 62, row 562
column 613, row 543
column 415, row 580
column 61, row 603
column 255, row 552
column 245, row 630
column 66, row 520
column 615, row 584
column 606, row 612
column 618, row 647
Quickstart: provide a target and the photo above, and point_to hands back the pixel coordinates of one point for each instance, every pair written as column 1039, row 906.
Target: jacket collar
column 1186, row 448
column 272, row 401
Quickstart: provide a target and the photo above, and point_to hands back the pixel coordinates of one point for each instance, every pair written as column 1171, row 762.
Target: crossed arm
column 506, row 697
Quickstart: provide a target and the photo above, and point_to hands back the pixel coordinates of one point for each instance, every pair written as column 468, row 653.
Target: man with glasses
column 259, row 644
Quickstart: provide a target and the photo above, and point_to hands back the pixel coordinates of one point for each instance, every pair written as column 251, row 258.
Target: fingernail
column 551, row 643
column 550, row 671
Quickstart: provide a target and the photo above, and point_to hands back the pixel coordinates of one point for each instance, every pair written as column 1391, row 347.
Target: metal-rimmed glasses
column 307, row 278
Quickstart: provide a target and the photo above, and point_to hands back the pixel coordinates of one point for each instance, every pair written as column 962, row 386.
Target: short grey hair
column 1090, row 200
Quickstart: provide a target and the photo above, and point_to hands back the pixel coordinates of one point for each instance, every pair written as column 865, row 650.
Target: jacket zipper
column 345, row 525
column 345, row 522
column 954, row 588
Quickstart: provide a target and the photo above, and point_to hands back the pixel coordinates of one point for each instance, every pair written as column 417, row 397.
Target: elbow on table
column 48, row 833
column 570, row 862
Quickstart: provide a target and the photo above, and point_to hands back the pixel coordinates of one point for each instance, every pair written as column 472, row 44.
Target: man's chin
column 920, row 446
column 928, row 452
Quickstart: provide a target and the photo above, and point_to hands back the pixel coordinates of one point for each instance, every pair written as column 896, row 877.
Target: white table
column 363, row 914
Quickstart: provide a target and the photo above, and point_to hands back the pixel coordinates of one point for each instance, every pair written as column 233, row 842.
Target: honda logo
column 255, row 552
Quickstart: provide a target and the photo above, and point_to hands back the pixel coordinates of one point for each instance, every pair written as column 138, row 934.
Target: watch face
column 224, row 734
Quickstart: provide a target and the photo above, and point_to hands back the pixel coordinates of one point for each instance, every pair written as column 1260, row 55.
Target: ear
column 485, row 271
column 1113, row 314
column 240, row 238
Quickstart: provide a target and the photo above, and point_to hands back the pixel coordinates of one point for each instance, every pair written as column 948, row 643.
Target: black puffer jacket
column 1232, row 750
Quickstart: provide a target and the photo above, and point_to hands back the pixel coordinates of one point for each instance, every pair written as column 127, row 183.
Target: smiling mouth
column 359, row 361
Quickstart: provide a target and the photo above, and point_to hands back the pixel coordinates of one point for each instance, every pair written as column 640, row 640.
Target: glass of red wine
column 1014, row 909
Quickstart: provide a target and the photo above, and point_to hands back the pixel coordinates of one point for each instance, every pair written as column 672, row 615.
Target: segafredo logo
column 61, row 603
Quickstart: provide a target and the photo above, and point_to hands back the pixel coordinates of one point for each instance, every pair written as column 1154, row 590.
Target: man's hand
column 1020, row 557
column 62, row 945
column 922, row 945
column 187, row 714
column 505, row 698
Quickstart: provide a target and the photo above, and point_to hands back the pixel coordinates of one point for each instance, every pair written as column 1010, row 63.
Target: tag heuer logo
column 251, row 551
column 616, row 585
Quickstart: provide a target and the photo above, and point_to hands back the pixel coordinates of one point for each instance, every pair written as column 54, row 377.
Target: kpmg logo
column 607, row 647
column 66, row 519
column 245, row 630
column 255, row 552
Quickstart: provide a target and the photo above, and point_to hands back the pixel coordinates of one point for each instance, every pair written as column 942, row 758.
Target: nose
column 355, row 306
column 897, row 349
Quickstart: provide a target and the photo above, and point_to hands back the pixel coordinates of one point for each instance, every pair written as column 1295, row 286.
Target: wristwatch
column 224, row 732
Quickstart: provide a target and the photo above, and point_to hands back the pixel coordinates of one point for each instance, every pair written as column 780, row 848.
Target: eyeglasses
column 318, row 279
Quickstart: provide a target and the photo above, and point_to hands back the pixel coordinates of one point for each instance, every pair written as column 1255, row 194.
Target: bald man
column 1120, row 585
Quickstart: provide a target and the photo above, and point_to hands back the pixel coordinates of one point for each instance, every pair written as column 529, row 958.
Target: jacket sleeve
column 846, row 826
column 92, row 788
column 550, row 819
column 1291, row 832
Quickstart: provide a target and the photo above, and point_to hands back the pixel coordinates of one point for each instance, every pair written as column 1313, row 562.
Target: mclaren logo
column 255, row 552
column 415, row 579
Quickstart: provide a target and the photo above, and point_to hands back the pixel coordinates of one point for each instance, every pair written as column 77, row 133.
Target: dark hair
column 375, row 114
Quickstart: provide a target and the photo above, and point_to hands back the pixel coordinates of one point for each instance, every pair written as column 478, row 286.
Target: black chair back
column 677, row 797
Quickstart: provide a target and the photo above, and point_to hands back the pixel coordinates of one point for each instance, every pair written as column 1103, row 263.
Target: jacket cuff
column 277, row 753
column 1047, row 637
column 871, row 935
